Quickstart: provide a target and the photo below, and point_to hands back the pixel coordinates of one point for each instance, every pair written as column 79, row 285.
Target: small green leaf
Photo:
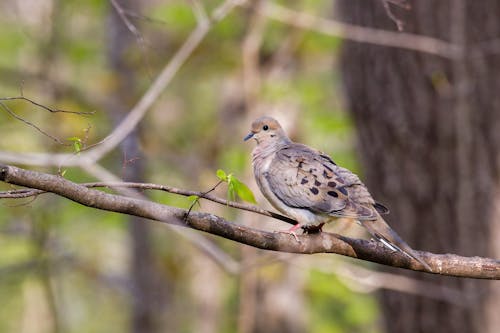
column 193, row 199
column 221, row 174
column 241, row 190
column 77, row 143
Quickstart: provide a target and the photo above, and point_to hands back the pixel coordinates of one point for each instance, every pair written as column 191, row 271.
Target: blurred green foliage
column 79, row 257
column 336, row 308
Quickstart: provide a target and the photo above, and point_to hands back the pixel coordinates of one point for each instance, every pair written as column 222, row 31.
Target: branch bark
column 443, row 264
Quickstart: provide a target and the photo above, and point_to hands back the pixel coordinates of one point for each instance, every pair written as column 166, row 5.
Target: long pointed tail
column 381, row 231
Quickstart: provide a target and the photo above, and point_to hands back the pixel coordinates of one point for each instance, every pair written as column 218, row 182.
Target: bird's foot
column 307, row 229
column 291, row 231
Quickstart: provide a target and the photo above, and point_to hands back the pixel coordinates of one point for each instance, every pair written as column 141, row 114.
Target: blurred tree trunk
column 147, row 289
column 429, row 133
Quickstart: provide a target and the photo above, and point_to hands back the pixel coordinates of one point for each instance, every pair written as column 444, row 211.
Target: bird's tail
column 381, row 231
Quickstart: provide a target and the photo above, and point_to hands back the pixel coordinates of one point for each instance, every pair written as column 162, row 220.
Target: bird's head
column 267, row 130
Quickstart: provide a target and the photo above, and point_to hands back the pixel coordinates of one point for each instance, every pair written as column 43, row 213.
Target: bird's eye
column 265, row 127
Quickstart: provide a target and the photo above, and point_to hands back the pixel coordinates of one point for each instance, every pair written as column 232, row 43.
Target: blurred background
column 414, row 113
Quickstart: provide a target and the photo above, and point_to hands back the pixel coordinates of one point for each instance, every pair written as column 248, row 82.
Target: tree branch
column 361, row 34
column 444, row 264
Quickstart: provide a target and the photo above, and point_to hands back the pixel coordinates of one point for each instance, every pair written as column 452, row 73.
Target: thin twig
column 52, row 110
column 18, row 194
column 134, row 15
column 387, row 7
column 196, row 201
column 133, row 29
column 30, row 124
column 65, row 143
column 24, row 193
column 130, row 26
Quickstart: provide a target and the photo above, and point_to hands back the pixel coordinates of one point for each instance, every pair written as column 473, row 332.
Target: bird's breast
column 261, row 167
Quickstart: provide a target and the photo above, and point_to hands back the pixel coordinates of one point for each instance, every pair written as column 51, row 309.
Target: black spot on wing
column 316, row 182
column 327, row 174
column 332, row 184
column 314, row 190
column 333, row 194
column 304, row 181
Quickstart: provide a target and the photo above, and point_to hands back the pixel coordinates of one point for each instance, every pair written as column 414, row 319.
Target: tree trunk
column 148, row 291
column 429, row 134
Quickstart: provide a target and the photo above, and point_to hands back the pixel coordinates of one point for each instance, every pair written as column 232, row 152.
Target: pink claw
column 291, row 231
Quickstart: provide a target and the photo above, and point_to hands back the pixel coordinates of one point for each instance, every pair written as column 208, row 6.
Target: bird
column 307, row 185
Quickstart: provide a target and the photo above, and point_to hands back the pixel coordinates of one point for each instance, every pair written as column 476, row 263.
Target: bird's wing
column 305, row 178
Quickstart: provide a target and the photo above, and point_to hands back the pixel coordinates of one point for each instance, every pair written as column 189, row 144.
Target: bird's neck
column 268, row 148
column 264, row 152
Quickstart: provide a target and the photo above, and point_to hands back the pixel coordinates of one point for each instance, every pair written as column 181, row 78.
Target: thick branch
column 444, row 264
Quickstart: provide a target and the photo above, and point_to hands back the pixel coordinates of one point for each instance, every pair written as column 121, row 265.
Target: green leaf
column 193, row 199
column 241, row 190
column 245, row 193
column 221, row 174
column 76, row 146
column 77, row 143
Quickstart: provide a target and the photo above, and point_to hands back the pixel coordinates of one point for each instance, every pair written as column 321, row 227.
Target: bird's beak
column 249, row 136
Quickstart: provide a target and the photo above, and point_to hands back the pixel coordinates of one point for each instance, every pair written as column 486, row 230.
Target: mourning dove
column 307, row 185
